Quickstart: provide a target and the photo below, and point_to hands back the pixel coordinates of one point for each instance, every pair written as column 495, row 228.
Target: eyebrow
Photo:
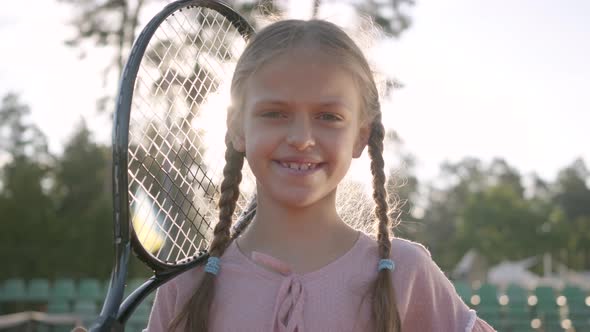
column 327, row 102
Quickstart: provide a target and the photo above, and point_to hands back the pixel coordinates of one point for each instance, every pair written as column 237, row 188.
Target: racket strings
column 176, row 126
column 172, row 203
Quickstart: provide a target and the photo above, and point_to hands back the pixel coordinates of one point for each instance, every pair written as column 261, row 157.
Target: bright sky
column 482, row 78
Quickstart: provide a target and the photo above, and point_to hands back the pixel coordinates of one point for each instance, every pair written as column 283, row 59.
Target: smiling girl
column 304, row 104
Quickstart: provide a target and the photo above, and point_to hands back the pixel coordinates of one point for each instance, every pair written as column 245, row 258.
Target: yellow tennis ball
column 149, row 236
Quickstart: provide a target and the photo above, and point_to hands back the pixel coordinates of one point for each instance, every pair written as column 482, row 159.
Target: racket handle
column 106, row 324
column 107, row 320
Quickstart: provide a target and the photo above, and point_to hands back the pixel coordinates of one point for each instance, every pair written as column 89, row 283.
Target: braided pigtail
column 196, row 311
column 385, row 313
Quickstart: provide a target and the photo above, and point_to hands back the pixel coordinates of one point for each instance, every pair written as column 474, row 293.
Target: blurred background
column 487, row 108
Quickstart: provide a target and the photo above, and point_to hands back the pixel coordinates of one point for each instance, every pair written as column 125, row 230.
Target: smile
column 298, row 166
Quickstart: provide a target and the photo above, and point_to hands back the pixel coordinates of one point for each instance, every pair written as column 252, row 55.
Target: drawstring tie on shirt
column 288, row 309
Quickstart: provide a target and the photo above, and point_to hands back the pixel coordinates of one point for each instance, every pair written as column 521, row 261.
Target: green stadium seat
column 520, row 325
column 489, row 307
column 13, row 296
column 497, row 324
column 580, row 317
column 575, row 298
column 488, row 296
column 551, row 326
column 63, row 289
column 464, row 291
column 87, row 310
column 38, row 290
column 517, row 306
column 516, row 313
column 571, row 291
column 578, row 310
column 546, row 307
column 14, row 290
column 581, row 324
column 58, row 307
column 491, row 314
column 516, row 293
column 545, row 296
column 90, row 289
column 84, row 307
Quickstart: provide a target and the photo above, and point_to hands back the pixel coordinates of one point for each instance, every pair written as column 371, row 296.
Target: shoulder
column 177, row 289
column 425, row 295
column 406, row 249
column 413, row 261
column 400, row 248
column 409, row 257
column 426, row 299
column 190, row 278
column 170, row 299
column 187, row 281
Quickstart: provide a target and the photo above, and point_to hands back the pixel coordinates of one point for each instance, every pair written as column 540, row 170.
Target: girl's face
column 299, row 127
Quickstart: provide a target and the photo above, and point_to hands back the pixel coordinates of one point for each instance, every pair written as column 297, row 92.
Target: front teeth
column 299, row 167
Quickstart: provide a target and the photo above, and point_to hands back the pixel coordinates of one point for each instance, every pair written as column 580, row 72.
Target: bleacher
column 59, row 305
column 516, row 309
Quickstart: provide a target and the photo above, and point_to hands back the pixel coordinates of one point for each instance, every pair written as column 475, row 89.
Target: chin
column 294, row 200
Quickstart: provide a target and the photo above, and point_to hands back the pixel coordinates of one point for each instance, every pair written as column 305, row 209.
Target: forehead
column 304, row 77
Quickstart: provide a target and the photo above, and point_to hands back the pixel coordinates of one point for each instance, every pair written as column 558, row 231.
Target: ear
column 235, row 129
column 362, row 139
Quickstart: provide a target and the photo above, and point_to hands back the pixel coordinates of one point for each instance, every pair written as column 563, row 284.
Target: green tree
column 500, row 224
column 571, row 190
column 83, row 201
column 445, row 199
column 83, row 205
column 570, row 215
column 483, row 206
column 26, row 208
column 19, row 137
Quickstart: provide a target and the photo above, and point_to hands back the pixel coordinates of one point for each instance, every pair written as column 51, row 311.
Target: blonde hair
column 272, row 41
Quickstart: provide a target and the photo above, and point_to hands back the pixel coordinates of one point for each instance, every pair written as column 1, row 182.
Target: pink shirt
column 260, row 293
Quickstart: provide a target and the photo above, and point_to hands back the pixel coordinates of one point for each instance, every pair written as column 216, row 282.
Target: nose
column 300, row 135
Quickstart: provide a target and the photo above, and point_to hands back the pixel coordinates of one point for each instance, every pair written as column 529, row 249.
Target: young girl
column 304, row 103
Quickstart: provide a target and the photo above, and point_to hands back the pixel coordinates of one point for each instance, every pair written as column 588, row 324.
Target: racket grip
column 106, row 324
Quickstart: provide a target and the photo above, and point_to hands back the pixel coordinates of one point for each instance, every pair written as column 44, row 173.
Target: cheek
column 344, row 139
column 338, row 146
column 259, row 141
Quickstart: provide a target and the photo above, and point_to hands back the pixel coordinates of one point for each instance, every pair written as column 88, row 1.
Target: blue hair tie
column 212, row 265
column 386, row 264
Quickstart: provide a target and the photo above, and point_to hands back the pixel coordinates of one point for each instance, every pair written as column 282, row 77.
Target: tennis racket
column 168, row 156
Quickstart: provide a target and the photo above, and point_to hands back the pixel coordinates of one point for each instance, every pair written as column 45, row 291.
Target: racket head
column 169, row 125
column 136, row 166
